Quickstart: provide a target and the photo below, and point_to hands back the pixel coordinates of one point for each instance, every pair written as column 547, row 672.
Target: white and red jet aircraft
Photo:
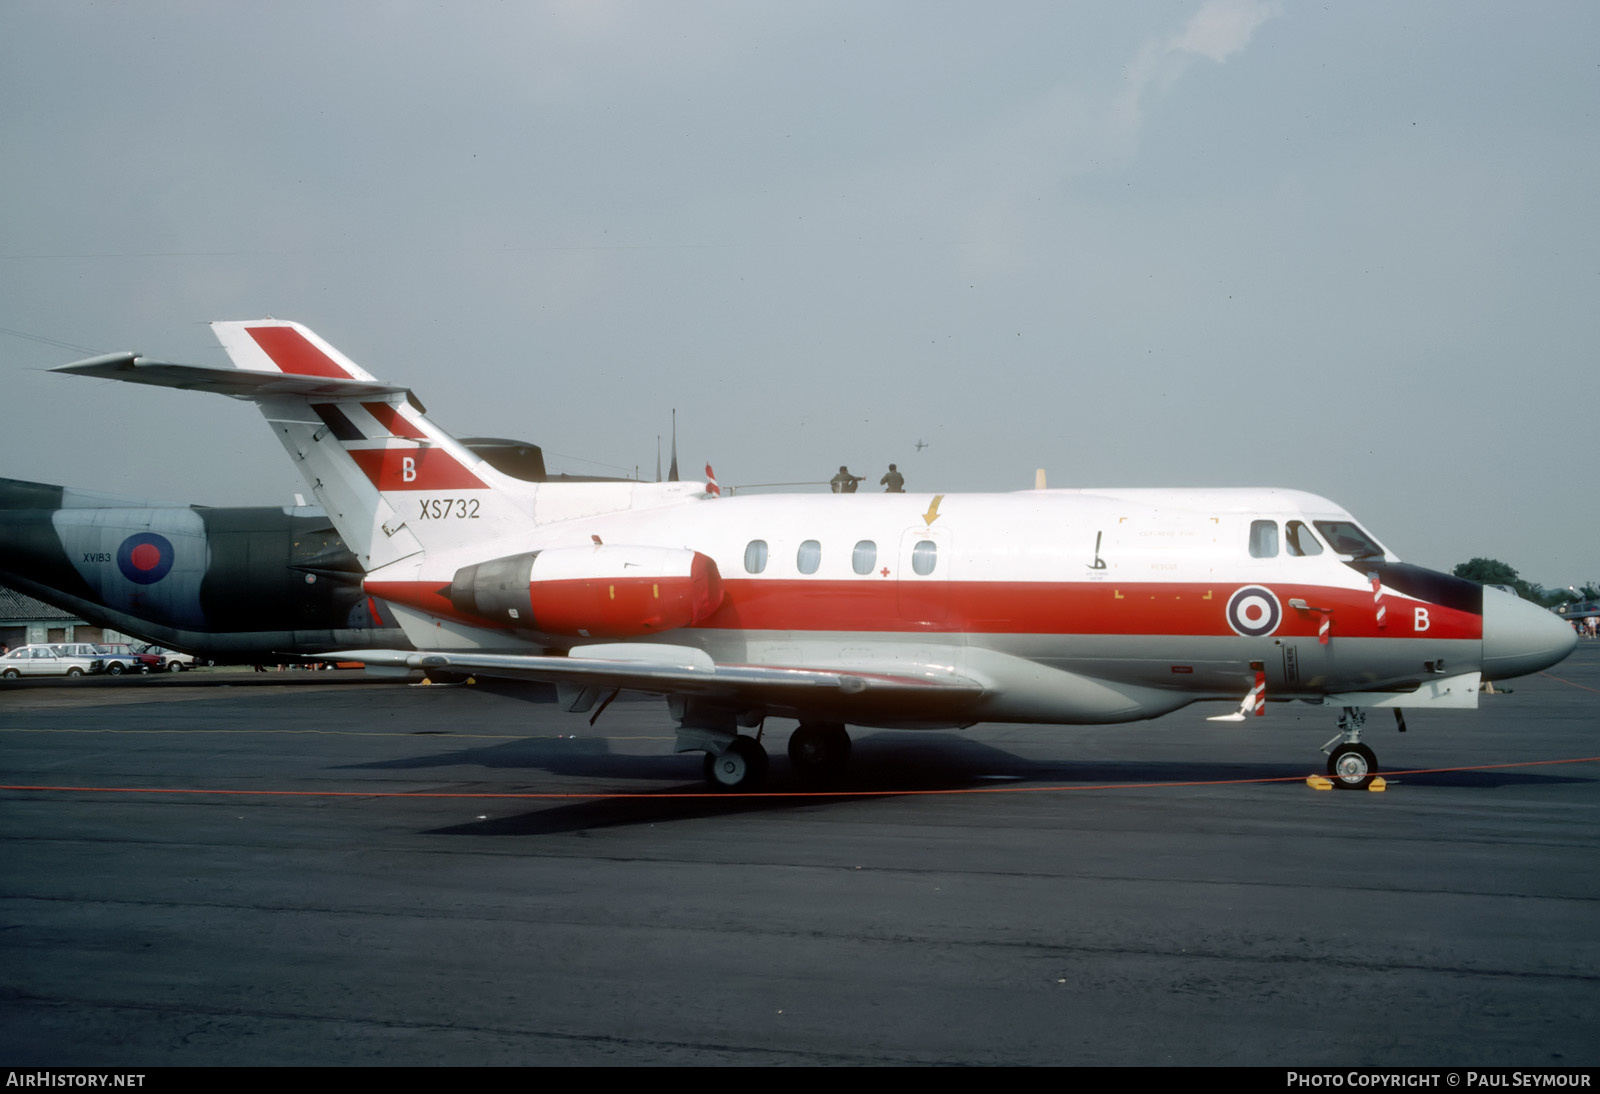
column 893, row 610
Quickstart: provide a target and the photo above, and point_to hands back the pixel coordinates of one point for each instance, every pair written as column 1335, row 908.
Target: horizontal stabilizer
column 239, row 383
column 375, row 463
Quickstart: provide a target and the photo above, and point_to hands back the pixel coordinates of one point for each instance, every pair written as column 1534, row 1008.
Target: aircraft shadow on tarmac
column 1486, row 780
column 579, row 757
column 692, row 802
column 882, row 764
column 892, row 762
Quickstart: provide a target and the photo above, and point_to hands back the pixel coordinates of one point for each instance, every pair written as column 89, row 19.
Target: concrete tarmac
column 236, row 880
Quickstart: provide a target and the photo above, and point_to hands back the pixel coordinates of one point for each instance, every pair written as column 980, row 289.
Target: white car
column 42, row 659
column 111, row 661
column 169, row 660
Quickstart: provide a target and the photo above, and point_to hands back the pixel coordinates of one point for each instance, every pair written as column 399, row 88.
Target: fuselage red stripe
column 1021, row 607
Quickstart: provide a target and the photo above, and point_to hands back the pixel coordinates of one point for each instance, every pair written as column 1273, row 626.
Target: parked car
column 109, row 662
column 120, row 657
column 43, row 659
column 167, row 660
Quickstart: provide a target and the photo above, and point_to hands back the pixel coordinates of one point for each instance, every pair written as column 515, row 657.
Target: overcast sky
column 1350, row 248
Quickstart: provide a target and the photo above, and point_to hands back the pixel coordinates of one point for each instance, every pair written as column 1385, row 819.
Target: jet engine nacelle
column 591, row 592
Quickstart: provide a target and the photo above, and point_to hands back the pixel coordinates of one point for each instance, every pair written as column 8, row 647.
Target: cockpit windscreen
column 1347, row 538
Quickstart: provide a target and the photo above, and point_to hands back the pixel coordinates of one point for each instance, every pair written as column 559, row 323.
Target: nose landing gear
column 1351, row 764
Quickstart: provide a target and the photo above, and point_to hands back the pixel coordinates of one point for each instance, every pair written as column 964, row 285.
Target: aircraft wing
column 685, row 670
column 240, row 383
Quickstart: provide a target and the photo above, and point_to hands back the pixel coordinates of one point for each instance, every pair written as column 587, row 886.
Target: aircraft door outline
column 922, row 576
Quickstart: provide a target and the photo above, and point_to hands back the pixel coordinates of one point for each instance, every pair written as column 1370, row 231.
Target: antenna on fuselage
column 1038, row 478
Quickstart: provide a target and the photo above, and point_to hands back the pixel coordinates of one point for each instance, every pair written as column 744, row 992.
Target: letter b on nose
column 1420, row 621
column 408, row 472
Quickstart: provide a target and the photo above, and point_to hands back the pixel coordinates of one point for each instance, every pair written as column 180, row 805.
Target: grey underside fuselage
column 1081, row 679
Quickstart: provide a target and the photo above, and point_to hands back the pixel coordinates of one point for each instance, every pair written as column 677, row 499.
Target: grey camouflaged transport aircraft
column 896, row 610
column 241, row 585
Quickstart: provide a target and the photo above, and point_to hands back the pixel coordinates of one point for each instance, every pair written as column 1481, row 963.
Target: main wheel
column 741, row 767
column 819, row 750
column 1352, row 767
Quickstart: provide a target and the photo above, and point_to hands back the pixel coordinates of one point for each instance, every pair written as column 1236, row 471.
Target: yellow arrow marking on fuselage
column 933, row 510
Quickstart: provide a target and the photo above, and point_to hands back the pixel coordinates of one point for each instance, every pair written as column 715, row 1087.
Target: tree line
column 1491, row 571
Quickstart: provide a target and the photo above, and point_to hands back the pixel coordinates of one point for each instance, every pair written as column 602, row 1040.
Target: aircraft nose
column 1520, row 637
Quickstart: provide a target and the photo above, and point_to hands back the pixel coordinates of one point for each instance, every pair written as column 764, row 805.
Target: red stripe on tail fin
column 292, row 353
column 414, row 469
column 391, row 419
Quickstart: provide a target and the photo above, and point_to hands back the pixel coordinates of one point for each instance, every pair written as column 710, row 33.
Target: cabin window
column 1263, row 539
column 809, row 557
column 755, row 556
column 1300, row 539
column 865, row 557
column 1346, row 538
column 924, row 556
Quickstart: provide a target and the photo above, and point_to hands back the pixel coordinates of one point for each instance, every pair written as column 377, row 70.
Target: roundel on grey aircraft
column 1254, row 612
column 145, row 558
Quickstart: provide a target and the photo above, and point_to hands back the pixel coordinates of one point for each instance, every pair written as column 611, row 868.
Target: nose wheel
column 1351, row 764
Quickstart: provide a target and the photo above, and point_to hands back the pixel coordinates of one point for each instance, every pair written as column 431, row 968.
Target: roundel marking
column 145, row 558
column 1254, row 612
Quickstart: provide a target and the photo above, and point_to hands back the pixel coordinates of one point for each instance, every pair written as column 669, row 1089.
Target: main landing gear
column 818, row 751
column 742, row 765
column 1351, row 764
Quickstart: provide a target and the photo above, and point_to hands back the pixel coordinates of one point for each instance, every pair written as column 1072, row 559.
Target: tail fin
column 379, row 466
column 393, row 483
